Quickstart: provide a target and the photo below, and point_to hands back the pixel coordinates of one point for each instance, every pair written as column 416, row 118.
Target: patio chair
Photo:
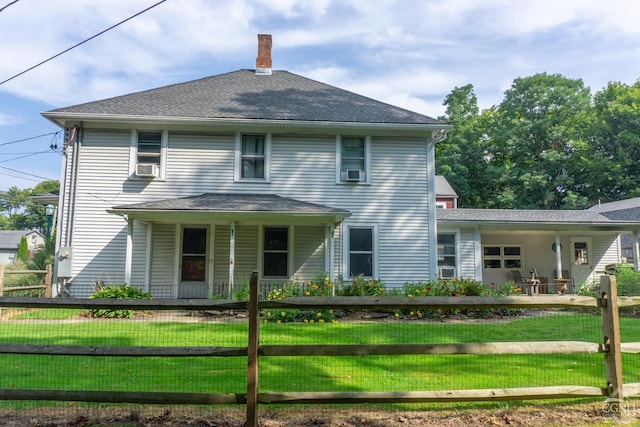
column 527, row 285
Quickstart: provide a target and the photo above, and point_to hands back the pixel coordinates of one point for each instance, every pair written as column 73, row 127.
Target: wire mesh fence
column 54, row 351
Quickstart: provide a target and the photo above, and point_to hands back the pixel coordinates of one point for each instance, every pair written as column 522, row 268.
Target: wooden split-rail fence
column 611, row 348
column 45, row 285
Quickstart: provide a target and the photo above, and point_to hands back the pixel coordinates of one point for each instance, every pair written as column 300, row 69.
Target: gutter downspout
column 431, row 206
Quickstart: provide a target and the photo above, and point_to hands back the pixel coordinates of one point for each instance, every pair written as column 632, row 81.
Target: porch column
column 636, row 252
column 558, row 257
column 329, row 257
column 148, row 255
column 232, row 256
column 128, row 255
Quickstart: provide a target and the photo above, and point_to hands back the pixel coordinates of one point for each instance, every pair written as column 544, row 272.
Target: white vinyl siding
column 221, row 255
column 139, row 255
column 246, row 250
column 308, row 252
column 302, row 167
column 162, row 261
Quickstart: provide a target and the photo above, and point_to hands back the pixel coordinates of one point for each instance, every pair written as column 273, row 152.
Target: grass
column 371, row 373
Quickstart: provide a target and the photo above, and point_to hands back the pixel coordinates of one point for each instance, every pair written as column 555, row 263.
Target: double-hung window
column 446, row 255
column 353, row 155
column 252, row 157
column 148, row 154
column 276, row 254
column 361, row 259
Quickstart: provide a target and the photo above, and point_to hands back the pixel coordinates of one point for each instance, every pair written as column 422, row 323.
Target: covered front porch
column 207, row 245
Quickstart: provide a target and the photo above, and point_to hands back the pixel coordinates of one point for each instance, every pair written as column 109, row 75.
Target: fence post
column 47, row 281
column 1, row 279
column 611, row 336
column 252, row 352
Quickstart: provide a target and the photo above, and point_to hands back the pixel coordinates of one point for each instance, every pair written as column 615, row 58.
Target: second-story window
column 353, row 155
column 253, row 156
column 149, row 147
column 147, row 156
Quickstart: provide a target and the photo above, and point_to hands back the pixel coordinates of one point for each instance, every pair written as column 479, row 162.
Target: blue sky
column 404, row 52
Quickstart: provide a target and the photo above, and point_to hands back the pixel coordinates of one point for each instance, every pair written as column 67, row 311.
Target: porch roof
column 230, row 207
column 546, row 219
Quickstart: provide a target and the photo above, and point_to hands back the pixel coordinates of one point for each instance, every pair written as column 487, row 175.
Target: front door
column 581, row 259
column 193, row 263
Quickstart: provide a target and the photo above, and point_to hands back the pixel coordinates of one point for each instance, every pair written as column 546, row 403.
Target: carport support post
column 611, row 341
column 252, row 352
column 558, row 257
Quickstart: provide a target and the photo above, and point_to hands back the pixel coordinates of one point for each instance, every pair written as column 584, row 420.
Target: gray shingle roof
column 522, row 216
column 622, row 210
column 244, row 95
column 443, row 188
column 228, row 203
column 10, row 239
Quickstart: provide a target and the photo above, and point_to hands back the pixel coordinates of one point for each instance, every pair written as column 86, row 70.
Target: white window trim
column 367, row 162
column 346, row 249
column 456, row 243
column 502, row 257
column 290, row 246
column 441, row 205
column 133, row 153
column 237, row 169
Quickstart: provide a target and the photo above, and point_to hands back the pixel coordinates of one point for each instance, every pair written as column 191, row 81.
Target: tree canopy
column 19, row 212
column 550, row 144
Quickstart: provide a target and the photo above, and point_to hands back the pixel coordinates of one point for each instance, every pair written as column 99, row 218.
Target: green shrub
column 123, row 291
column 627, row 279
column 361, row 287
column 23, row 250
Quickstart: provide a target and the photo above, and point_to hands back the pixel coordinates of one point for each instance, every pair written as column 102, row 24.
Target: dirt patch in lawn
column 577, row 414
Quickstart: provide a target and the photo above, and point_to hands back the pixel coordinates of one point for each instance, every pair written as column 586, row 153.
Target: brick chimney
column 263, row 61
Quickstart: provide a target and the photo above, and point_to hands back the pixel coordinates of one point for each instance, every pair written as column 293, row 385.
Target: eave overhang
column 65, row 119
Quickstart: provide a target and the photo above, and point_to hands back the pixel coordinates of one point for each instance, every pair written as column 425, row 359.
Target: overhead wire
column 9, row 4
column 30, row 138
column 82, row 42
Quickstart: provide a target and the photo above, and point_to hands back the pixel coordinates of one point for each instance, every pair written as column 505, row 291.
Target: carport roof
column 531, row 217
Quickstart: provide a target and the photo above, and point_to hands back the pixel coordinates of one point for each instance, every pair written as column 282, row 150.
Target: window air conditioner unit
column 446, row 272
column 146, row 170
column 353, row 175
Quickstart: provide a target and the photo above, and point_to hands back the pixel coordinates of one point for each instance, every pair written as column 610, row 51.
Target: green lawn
column 370, row 373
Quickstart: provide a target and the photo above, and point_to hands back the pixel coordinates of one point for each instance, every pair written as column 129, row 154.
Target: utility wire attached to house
column 81, row 43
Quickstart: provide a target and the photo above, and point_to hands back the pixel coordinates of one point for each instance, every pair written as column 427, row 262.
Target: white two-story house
column 185, row 189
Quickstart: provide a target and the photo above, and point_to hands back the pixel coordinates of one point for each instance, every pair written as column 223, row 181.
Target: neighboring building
column 184, row 189
column 446, row 196
column 10, row 242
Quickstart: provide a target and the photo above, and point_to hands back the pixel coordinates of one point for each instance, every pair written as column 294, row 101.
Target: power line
column 25, row 173
column 26, row 155
column 9, row 4
column 82, row 42
column 30, row 138
column 20, row 177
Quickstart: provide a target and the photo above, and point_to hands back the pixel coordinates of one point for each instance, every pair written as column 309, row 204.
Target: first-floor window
column 194, row 255
column 507, row 257
column 361, row 251
column 276, row 255
column 446, row 255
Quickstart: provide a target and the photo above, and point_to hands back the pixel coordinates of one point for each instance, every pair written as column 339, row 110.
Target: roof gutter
column 61, row 118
